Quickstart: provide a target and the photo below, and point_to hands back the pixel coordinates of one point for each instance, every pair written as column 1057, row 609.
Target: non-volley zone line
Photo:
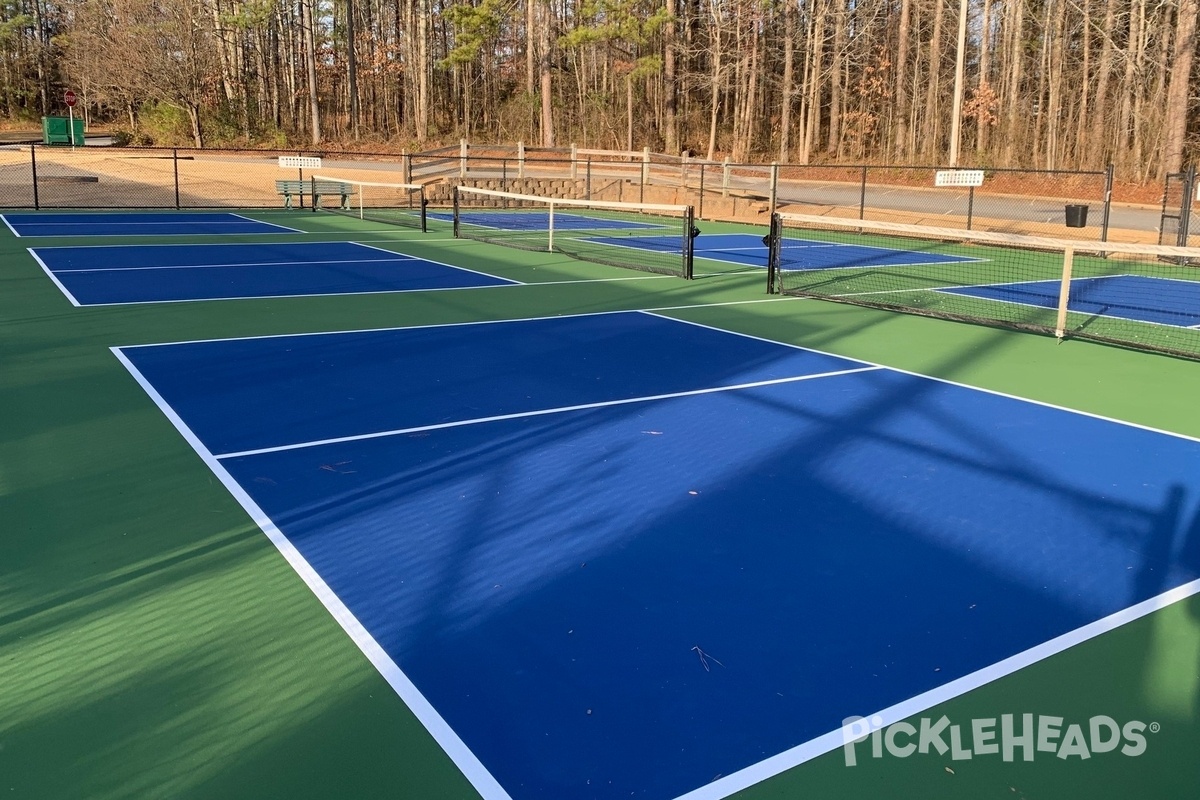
column 542, row 412
column 120, row 223
column 114, row 275
column 713, row 540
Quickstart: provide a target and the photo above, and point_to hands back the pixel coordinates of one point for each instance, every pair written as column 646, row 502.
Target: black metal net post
column 772, row 243
column 33, row 168
column 690, row 232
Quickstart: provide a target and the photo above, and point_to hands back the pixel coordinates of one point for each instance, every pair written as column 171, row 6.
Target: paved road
column 953, row 202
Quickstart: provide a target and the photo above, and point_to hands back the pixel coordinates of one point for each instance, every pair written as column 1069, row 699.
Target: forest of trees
column 1052, row 84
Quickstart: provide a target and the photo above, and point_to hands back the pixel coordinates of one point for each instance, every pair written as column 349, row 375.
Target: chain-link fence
column 1054, row 203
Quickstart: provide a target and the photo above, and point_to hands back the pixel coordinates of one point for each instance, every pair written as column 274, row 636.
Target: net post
column 689, row 238
column 33, row 173
column 1064, row 293
column 773, row 236
column 313, row 189
column 424, row 209
column 550, row 229
column 455, row 204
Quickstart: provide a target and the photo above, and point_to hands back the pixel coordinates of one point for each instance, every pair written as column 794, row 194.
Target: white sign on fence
column 310, row 162
column 958, row 177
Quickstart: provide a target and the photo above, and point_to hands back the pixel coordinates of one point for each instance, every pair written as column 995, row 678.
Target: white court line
column 10, row 227
column 422, row 709
column 240, row 264
column 777, row 764
column 1070, row 310
column 213, row 245
column 828, row 742
column 443, row 264
column 298, row 296
column 352, row 331
column 50, row 274
column 540, row 413
column 946, row 381
column 264, row 222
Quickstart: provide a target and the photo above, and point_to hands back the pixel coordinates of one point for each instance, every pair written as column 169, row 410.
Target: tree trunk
column 1184, row 51
column 901, row 127
column 670, row 82
column 787, row 85
column 931, row 129
column 352, row 70
column 310, row 58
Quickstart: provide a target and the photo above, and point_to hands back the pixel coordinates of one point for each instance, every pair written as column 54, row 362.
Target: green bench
column 290, row 189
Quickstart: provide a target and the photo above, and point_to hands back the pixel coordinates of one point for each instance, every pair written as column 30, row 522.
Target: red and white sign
column 70, row 99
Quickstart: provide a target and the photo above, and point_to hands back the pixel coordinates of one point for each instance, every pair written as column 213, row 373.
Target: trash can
column 1077, row 216
column 58, row 130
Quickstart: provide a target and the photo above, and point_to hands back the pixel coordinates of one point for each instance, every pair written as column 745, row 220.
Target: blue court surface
column 123, row 223
column 1163, row 301
column 621, row 555
column 168, row 273
column 519, row 220
column 798, row 254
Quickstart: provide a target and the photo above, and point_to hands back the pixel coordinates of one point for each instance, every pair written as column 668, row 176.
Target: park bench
column 290, row 189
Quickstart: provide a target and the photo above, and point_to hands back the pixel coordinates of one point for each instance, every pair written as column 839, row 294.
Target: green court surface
column 154, row 643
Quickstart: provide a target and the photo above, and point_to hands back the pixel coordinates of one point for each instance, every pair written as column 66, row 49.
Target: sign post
column 961, row 177
column 70, row 98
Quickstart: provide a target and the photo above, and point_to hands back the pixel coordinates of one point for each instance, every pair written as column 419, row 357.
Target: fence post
column 521, row 160
column 970, row 205
column 405, row 168
column 725, row 178
column 700, row 202
column 300, row 172
column 862, row 194
column 462, row 159
column 774, row 186
column 574, row 161
column 1185, row 208
column 645, row 173
column 588, row 182
column 1108, row 184
column 33, row 167
column 175, row 165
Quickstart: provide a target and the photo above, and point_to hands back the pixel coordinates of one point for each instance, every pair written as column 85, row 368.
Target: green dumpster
column 57, row 130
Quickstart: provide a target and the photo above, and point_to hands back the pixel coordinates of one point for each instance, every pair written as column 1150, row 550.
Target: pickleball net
column 402, row 204
column 1136, row 295
column 650, row 237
